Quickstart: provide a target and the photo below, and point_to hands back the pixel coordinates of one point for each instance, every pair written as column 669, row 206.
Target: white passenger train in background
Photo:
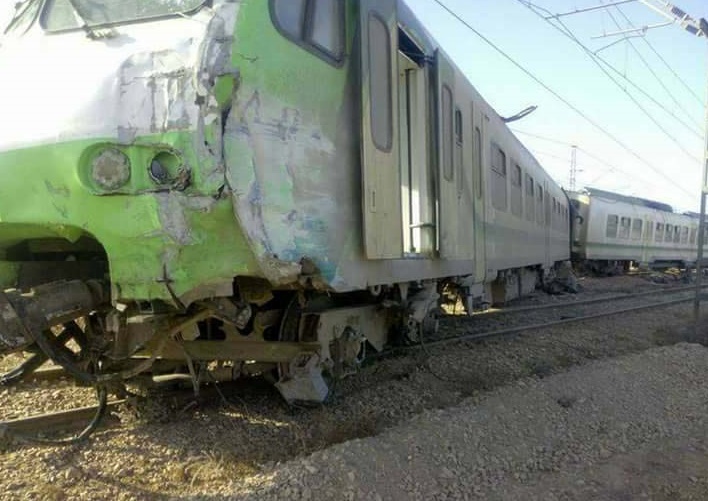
column 612, row 231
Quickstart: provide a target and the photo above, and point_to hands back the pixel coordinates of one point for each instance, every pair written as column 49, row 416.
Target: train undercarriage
column 299, row 339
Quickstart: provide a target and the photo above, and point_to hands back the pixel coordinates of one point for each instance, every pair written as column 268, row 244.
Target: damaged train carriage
column 271, row 185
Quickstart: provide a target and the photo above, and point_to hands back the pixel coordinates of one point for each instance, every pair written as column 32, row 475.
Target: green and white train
column 250, row 186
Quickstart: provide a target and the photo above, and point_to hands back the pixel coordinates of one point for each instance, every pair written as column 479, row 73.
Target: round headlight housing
column 164, row 168
column 110, row 169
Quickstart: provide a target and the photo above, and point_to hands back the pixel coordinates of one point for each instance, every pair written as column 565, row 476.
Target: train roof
column 644, row 202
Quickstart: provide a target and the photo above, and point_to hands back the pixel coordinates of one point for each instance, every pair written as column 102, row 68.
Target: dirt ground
column 244, row 445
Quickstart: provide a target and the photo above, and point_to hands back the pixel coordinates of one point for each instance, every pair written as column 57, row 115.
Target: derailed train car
column 612, row 231
column 254, row 186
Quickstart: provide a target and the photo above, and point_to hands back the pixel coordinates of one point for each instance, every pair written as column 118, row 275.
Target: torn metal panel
column 282, row 197
column 172, row 211
column 165, row 106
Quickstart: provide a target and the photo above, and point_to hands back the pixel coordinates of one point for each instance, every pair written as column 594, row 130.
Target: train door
column 447, row 185
column 381, row 192
column 417, row 179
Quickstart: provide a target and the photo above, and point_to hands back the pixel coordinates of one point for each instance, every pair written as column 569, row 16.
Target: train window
column 677, row 234
column 530, row 200
column 458, row 126
column 447, row 130
column 650, row 231
column 498, row 160
column 554, row 214
column 611, row 230
column 625, row 225
column 317, row 25
column 516, row 176
column 516, row 202
column 478, row 149
column 694, row 231
column 669, row 235
column 539, row 205
column 659, row 236
column 499, row 201
column 684, row 234
column 289, row 16
column 459, row 138
column 327, row 27
column 636, row 229
column 380, row 83
column 60, row 15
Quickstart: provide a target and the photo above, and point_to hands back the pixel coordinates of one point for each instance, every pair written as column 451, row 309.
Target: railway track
column 527, row 317
column 68, row 420
column 564, row 304
column 484, row 330
column 50, row 422
column 535, row 326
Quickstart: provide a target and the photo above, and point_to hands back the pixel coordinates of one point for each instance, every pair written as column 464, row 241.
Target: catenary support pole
column 701, row 231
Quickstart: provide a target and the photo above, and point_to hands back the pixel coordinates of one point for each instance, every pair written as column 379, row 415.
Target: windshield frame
column 83, row 24
column 23, row 14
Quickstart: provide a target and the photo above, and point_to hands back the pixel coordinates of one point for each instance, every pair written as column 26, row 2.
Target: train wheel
column 301, row 380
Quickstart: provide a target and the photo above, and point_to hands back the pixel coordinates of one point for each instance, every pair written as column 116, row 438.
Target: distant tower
column 573, row 167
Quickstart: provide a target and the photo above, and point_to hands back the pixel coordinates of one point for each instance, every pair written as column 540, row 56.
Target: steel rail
column 55, row 421
column 72, row 419
column 564, row 304
column 521, row 328
column 47, row 374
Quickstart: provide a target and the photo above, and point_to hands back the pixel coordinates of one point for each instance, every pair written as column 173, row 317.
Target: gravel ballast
column 166, row 450
column 627, row 428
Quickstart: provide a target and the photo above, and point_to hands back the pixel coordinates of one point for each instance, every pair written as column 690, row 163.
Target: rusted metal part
column 12, row 335
column 44, row 306
column 31, row 364
column 276, row 352
column 54, row 421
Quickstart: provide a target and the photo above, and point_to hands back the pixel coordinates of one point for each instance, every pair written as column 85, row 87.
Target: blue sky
column 675, row 171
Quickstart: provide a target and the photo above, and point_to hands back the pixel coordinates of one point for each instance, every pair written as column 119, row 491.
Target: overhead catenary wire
column 570, row 145
column 645, row 93
column 663, row 60
column 544, row 138
column 558, row 96
column 648, row 66
column 697, row 132
column 599, row 63
column 609, row 167
column 605, row 171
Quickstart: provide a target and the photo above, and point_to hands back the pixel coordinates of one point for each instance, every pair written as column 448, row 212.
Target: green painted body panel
column 203, row 236
column 280, row 68
column 191, row 238
column 291, row 146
